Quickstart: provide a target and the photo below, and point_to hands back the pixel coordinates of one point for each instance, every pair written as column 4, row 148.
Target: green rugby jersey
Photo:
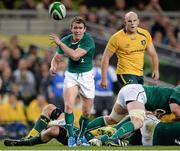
column 176, row 95
column 158, row 98
column 166, row 133
column 85, row 63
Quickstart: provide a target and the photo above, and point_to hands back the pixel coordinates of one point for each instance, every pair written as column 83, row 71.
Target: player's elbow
column 176, row 113
column 75, row 57
column 175, row 109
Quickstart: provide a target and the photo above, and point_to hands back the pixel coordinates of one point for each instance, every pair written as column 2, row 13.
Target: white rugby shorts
column 131, row 92
column 85, row 82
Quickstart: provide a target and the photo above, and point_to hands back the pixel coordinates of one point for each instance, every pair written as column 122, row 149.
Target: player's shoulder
column 118, row 33
column 143, row 31
column 177, row 88
column 88, row 36
column 67, row 37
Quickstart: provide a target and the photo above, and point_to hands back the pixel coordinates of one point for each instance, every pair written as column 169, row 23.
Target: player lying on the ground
column 44, row 130
column 50, row 112
column 55, row 129
column 154, row 132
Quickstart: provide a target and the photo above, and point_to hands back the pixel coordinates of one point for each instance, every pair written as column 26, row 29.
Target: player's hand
column 155, row 75
column 53, row 70
column 104, row 83
column 55, row 39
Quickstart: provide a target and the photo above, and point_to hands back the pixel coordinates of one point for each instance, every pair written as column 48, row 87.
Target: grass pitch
column 54, row 145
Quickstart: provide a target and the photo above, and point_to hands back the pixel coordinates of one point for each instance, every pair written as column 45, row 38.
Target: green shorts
column 125, row 79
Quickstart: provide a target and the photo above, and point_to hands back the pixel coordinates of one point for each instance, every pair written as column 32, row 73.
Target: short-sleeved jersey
column 159, row 97
column 85, row 63
column 130, row 50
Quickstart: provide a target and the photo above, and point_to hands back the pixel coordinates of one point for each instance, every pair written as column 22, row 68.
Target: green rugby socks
column 69, row 119
column 96, row 123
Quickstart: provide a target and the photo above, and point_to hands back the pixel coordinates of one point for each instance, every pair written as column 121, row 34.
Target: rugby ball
column 57, row 11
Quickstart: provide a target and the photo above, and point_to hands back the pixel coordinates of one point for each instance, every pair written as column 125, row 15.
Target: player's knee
column 113, row 118
column 137, row 117
column 175, row 109
column 137, row 122
column 47, row 110
column 68, row 106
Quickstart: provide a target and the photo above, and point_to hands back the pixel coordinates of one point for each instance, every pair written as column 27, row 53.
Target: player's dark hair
column 78, row 20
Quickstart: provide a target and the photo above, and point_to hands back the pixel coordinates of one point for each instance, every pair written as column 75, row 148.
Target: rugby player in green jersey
column 165, row 98
column 79, row 47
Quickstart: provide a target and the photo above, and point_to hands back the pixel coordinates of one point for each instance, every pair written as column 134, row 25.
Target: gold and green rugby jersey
column 130, row 50
column 85, row 63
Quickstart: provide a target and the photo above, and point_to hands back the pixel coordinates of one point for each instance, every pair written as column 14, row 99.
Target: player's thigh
column 70, row 87
column 134, row 97
column 86, row 84
column 135, row 105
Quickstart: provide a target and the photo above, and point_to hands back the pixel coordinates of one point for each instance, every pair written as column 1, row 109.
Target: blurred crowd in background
column 26, row 86
column 164, row 30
